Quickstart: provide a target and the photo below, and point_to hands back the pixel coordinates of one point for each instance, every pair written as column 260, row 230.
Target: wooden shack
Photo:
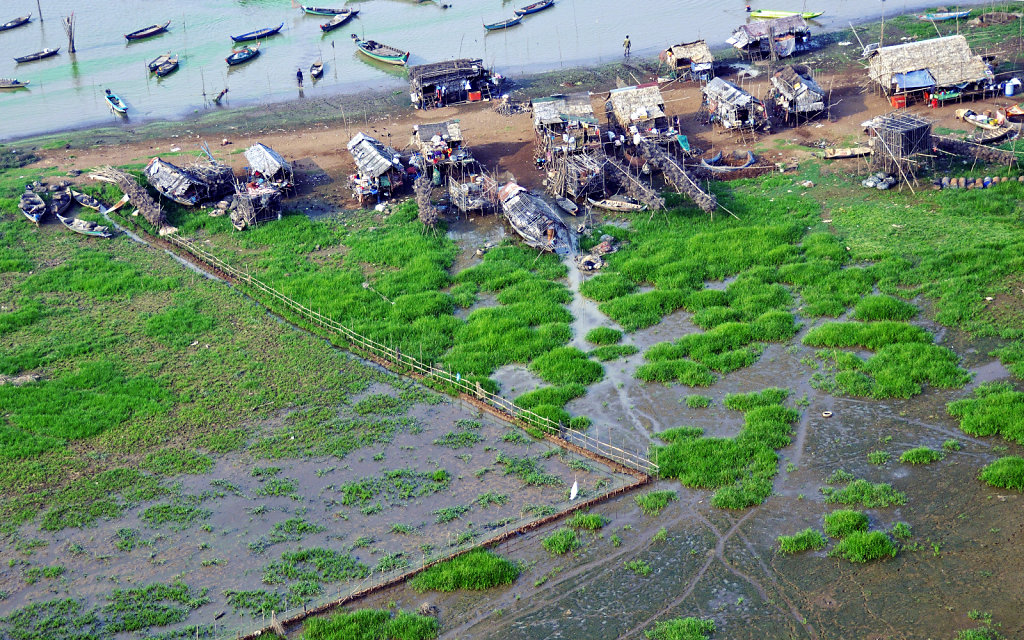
column 379, row 169
column 638, row 112
column 730, row 107
column 440, row 146
column 796, row 95
column 690, row 60
column 565, row 124
column 785, row 36
column 439, row 84
column 942, row 68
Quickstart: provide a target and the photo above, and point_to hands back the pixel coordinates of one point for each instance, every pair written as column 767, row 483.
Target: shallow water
column 66, row 90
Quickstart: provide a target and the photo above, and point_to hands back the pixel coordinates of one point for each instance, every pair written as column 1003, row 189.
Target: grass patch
column 1005, row 473
column 868, row 495
column 526, row 469
column 639, row 567
column 901, row 531
column 874, row 308
column 258, row 602
column 698, row 401
column 603, row 336
column 921, row 455
column 613, row 352
column 315, row 565
column 562, row 541
column 587, row 521
column 150, row 606
column 290, row 530
column 879, row 457
column 459, row 439
column 682, row 629
column 995, row 409
column 567, row 365
column 474, row 571
column 843, row 522
column 182, row 515
column 803, row 541
column 652, row 502
column 862, row 546
column 447, row 514
column 396, row 485
column 372, row 624
column 171, row 462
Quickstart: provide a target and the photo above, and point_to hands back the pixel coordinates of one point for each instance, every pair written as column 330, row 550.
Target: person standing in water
column 625, row 47
column 298, row 76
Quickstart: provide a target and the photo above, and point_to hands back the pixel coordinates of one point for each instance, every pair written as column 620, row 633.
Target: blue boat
column 259, row 33
column 945, row 15
column 504, row 24
column 535, row 7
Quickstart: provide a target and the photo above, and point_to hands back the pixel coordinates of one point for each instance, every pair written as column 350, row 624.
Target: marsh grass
column 682, row 629
column 567, row 365
column 527, row 469
column 562, row 541
column 395, row 485
column 150, row 606
column 803, row 541
column 474, row 571
column 587, row 521
column 843, row 522
column 879, row 457
column 602, row 336
column 371, row 624
column 868, row 495
column 873, row 308
column 862, row 546
column 695, row 401
column 1005, row 473
column 652, row 502
column 639, row 567
column 171, row 462
column 921, row 455
column 613, row 352
column 995, row 409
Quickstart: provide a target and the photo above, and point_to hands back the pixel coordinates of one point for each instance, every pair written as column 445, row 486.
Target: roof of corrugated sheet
column 373, row 158
column 725, row 91
column 949, row 60
column 265, row 160
column 562, row 108
column 450, row 128
column 778, row 26
column 795, row 79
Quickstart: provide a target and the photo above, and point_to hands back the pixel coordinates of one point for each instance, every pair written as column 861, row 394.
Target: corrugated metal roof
column 724, row 91
column 557, row 109
column 372, row 157
column 265, row 160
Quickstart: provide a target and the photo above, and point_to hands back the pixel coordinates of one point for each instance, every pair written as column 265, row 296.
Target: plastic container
column 898, row 102
column 475, row 96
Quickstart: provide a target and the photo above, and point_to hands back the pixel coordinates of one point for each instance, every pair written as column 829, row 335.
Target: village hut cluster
column 440, row 84
column 934, row 71
column 778, row 38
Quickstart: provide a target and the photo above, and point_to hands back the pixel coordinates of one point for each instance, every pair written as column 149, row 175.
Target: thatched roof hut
column 462, row 80
column 936, row 64
column 693, row 59
column 641, row 107
column 566, row 123
column 373, row 158
column 756, row 38
column 732, row 107
column 795, row 91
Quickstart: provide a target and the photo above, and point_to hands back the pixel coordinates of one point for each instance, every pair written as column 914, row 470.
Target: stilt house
column 267, row 166
column 757, row 39
column 440, row 144
column 690, row 60
column 442, row 83
column 379, row 168
column 796, row 94
column 944, row 68
column 565, row 124
column 638, row 112
column 731, row 107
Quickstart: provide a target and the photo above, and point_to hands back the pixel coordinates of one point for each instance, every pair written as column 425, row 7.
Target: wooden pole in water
column 69, row 29
column 40, row 8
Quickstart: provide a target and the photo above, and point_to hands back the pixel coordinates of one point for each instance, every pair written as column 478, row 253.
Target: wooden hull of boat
column 396, row 60
column 97, row 231
column 767, row 14
column 86, row 200
column 32, row 206
column 256, row 35
column 852, row 152
column 167, row 68
column 322, row 11
column 533, row 8
column 338, row 20
column 316, row 71
column 568, row 206
column 17, row 22
column 616, row 205
column 505, row 24
column 148, row 32
column 6, row 83
column 116, row 105
column 241, row 57
column 39, row 55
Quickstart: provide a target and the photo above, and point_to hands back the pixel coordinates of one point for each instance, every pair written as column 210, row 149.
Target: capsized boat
column 381, row 52
column 535, row 222
column 17, row 22
column 32, row 205
column 259, row 33
column 147, row 32
column 504, row 24
column 38, row 55
column 12, row 83
column 339, row 19
column 238, row 56
column 768, row 14
column 534, row 8
column 616, row 205
column 944, row 15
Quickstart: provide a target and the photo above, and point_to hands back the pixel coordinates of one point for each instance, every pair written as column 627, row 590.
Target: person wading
column 625, row 47
column 298, row 76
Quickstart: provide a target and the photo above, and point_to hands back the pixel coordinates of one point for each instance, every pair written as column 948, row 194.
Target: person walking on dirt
column 625, row 47
column 298, row 76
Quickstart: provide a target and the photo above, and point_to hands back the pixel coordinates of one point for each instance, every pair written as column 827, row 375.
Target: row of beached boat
column 519, row 14
column 35, row 209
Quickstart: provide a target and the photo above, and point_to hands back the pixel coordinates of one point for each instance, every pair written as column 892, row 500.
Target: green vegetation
column 170, row 462
column 901, row 531
column 290, row 530
column 740, row 468
column 526, row 469
column 921, row 455
column 879, row 457
column 950, row 445
column 843, row 522
column 561, row 541
column 639, row 567
column 309, row 567
column 603, row 336
column 1005, row 473
column 459, row 439
column 277, row 487
column 475, row 571
column 613, row 352
column 682, row 629
column 865, row 494
column 872, row 308
column 567, row 365
column 695, row 401
column 396, row 485
column 371, row 624
column 447, row 514
column 979, row 633
column 34, row 574
column 994, row 409
column 802, row 541
column 652, row 502
column 862, row 546
column 179, row 514
column 588, row 521
column 259, row 602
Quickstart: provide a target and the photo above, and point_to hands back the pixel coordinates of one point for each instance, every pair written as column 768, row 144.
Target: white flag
column 575, row 489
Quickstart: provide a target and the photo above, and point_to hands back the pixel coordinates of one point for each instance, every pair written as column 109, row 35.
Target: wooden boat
column 568, row 206
column 86, row 200
column 616, row 205
column 504, row 24
column 38, row 55
column 316, row 70
column 715, row 165
column 238, row 56
column 155, row 63
column 381, row 52
column 258, row 34
column 534, row 8
column 850, row 152
column 322, row 11
column 1016, row 110
column 85, row 227
column 978, row 120
column 339, row 19
column 60, row 202
column 17, row 22
column 944, row 15
column 116, row 104
column 147, row 32
column 11, row 83
column 768, row 14
column 534, row 220
column 168, row 67
column 32, row 206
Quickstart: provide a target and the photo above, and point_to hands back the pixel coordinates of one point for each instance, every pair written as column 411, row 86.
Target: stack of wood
column 137, row 195
column 634, row 187
column 677, row 176
column 428, row 213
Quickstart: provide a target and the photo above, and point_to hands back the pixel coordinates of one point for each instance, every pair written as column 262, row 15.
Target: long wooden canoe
column 768, row 14
column 17, row 22
column 381, row 52
column 147, row 32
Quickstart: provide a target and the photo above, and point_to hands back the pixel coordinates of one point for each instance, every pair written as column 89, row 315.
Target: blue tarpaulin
column 913, row 80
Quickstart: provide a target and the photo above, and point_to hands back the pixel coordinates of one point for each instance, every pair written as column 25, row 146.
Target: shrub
column 603, row 336
column 681, row 629
column 921, row 455
column 806, row 539
column 861, row 546
column 1006, row 473
column 843, row 522
column 588, row 521
column 561, row 541
column 698, row 402
column 474, row 571
column 652, row 502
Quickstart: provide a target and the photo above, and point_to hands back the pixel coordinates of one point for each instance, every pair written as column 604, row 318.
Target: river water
column 66, row 90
